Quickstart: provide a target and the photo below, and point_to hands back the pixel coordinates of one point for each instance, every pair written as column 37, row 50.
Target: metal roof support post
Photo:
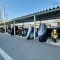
column 34, row 27
column 40, row 23
column 5, row 26
column 14, row 27
column 23, row 25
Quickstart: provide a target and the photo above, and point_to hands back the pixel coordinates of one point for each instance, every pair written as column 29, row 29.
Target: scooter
column 54, row 35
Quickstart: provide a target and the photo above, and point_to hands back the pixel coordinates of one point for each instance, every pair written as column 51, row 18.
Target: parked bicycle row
column 42, row 32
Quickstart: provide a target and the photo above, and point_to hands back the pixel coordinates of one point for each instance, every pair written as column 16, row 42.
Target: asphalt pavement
column 1, row 58
column 19, row 48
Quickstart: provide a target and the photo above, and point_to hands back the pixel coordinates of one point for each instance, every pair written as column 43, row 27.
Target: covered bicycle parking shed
column 53, row 13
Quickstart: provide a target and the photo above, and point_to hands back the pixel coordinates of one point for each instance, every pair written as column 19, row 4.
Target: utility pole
column 4, row 17
column 1, row 15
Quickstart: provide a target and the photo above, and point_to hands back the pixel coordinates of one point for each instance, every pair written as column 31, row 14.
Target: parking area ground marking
column 5, row 55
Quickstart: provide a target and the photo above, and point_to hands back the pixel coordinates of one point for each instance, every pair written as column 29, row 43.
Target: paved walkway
column 19, row 48
column 50, row 41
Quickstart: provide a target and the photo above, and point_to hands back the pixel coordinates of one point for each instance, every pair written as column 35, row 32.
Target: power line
column 56, row 3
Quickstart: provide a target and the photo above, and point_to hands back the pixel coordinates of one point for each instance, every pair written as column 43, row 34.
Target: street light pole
column 4, row 18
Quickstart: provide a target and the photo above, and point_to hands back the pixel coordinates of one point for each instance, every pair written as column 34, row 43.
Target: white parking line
column 5, row 55
column 21, row 36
